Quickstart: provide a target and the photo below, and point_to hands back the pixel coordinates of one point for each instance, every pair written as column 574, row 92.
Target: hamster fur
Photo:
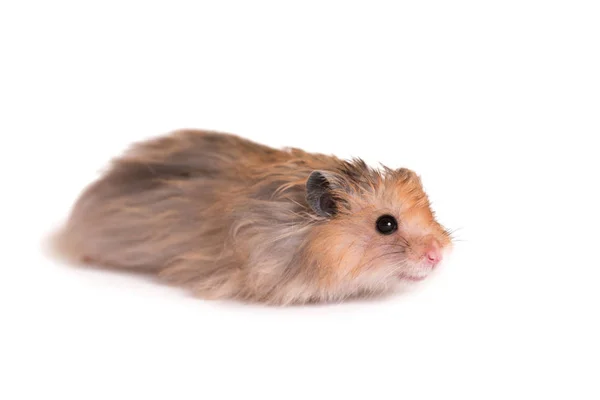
column 229, row 218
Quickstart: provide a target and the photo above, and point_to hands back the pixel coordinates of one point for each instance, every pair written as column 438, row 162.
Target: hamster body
column 229, row 218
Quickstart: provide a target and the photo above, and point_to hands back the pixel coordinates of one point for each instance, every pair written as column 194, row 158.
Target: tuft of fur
column 229, row 218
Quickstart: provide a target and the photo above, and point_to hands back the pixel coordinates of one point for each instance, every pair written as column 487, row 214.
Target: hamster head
column 376, row 228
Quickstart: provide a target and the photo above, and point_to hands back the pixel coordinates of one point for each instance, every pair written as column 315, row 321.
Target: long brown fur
column 229, row 218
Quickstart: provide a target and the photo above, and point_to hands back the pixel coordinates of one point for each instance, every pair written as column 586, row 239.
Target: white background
column 495, row 104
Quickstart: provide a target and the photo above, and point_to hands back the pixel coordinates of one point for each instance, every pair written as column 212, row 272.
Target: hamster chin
column 415, row 272
column 412, row 277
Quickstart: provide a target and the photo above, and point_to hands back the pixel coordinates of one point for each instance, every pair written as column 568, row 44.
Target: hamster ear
column 319, row 195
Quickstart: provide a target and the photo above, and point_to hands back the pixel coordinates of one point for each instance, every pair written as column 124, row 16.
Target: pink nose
column 433, row 257
column 433, row 254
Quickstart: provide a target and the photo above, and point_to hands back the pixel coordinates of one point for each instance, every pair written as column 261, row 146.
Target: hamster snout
column 423, row 256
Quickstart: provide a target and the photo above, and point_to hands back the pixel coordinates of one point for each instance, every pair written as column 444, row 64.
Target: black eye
column 387, row 224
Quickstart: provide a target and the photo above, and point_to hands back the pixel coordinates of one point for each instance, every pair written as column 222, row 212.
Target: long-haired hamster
column 229, row 218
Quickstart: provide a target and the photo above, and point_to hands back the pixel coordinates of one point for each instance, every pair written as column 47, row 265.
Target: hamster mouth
column 411, row 278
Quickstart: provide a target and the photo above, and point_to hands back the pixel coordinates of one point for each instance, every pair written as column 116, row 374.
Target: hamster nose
column 432, row 254
column 433, row 257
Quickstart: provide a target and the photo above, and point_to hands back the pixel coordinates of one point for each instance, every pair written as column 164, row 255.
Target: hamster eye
column 387, row 224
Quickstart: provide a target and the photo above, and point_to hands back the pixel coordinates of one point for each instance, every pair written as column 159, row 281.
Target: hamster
column 228, row 218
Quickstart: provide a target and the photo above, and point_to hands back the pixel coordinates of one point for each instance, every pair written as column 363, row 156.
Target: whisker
column 392, row 253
